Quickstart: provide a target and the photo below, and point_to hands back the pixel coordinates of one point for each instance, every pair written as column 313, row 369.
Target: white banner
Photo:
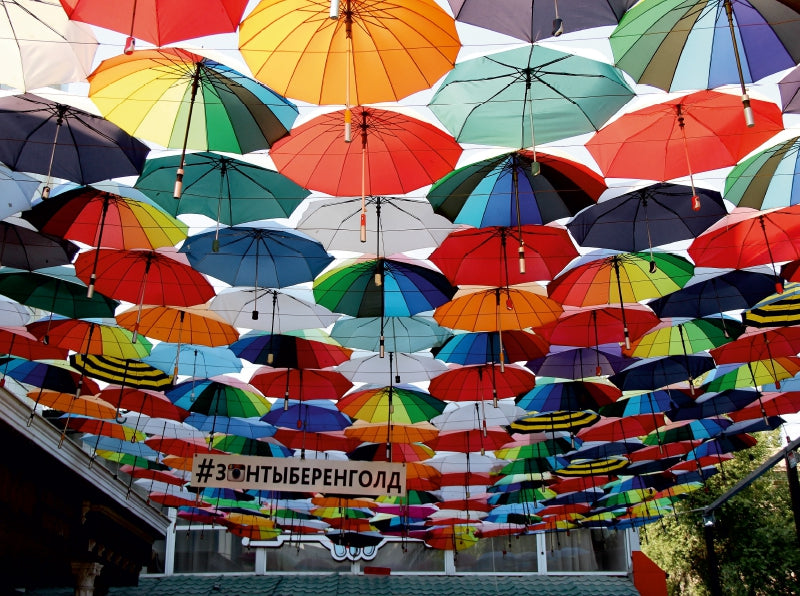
column 303, row 475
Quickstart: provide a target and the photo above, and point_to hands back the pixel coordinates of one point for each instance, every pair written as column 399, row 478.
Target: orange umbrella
column 421, row 432
column 195, row 325
column 87, row 405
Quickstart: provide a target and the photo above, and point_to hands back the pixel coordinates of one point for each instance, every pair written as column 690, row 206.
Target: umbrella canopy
column 296, row 383
column 651, row 402
column 569, row 396
column 289, row 351
column 143, row 276
column 789, row 86
column 480, row 382
column 759, row 344
column 653, row 373
column 87, row 337
column 23, row 248
column 680, row 45
column 179, row 99
column 242, row 307
column 400, row 224
column 753, row 374
column 156, row 413
column 228, row 190
column 401, row 404
column 274, row 256
column 391, row 153
column 160, row 23
column 504, row 191
column 18, row 190
column 42, row 47
column 531, row 22
column 580, row 363
column 58, row 140
column 528, row 95
column 502, row 256
column 776, row 309
column 685, row 337
column 381, row 287
column 464, row 415
column 55, row 289
column 219, row 396
column 54, row 375
column 766, row 179
column 311, row 415
column 190, row 324
column 714, row 404
column 405, row 368
column 370, row 52
column 597, row 325
column 678, row 137
column 102, row 219
column 650, row 216
column 193, row 360
column 485, row 346
column 87, row 405
column 393, row 334
column 684, row 430
column 770, row 404
column 16, row 341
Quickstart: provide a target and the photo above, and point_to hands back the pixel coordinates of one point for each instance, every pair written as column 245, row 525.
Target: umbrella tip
column 558, row 27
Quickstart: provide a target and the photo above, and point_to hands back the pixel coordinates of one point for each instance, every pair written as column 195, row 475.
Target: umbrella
column 194, row 325
column 193, row 360
column 651, row 216
column 651, row 402
column 464, row 415
column 369, row 52
column 400, row 224
column 789, row 87
column 678, row 137
column 14, row 314
column 770, row 404
column 590, row 467
column 528, row 95
column 296, row 383
column 404, row 368
column 219, row 396
column 273, row 256
column 504, row 191
column 88, row 337
column 121, row 371
column 568, row 396
column 227, row 190
column 501, row 256
column 54, row 375
column 481, row 382
column 243, row 307
column 102, row 219
column 735, row 290
column 248, row 446
column 685, row 337
column 381, row 287
column 18, row 191
column 766, row 179
column 310, row 415
column 597, row 325
column 403, row 404
column 54, row 289
column 42, row 47
column 531, row 22
column 712, row 404
column 87, row 405
column 236, row 429
column 753, row 374
column 156, row 413
column 396, row 154
column 747, row 238
column 142, row 276
column 580, row 363
column 289, row 351
column 680, row 45
column 775, row 309
column 153, row 94
column 160, row 23
column 622, row 429
column 16, row 341
column 484, row 346
column 23, row 248
column 685, row 430
column 498, row 309
column 759, row 344
column 653, row 373
column 393, row 334
column 58, row 140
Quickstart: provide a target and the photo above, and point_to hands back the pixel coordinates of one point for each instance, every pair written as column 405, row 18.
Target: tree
column 755, row 539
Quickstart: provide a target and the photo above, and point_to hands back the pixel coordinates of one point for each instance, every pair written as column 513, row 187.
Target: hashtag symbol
column 204, row 470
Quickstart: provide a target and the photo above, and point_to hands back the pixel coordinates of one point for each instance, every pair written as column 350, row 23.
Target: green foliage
column 755, row 538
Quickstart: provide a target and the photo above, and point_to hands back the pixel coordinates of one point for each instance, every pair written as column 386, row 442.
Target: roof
column 368, row 585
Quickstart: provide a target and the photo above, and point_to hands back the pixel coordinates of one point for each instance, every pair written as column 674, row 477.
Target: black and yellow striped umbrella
column 589, row 467
column 778, row 310
column 567, row 420
column 121, row 371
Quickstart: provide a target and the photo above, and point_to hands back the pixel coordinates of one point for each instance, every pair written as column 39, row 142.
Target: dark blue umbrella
column 654, row 373
column 61, row 141
column 652, row 402
column 735, row 290
column 273, row 256
column 713, row 404
column 651, row 216
column 312, row 415
column 600, row 450
column 580, row 363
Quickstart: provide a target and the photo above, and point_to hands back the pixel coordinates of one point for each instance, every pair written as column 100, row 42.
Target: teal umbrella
column 394, row 334
column 767, row 179
column 528, row 95
column 227, row 190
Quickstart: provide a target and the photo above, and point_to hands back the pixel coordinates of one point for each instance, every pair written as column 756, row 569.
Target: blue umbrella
column 273, row 256
column 651, row 402
column 482, row 347
column 193, row 360
column 393, row 334
column 251, row 428
column 103, row 443
column 572, row 396
column 312, row 415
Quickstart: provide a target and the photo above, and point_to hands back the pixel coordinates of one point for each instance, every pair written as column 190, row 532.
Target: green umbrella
column 767, row 179
column 754, row 374
column 528, row 95
column 527, row 465
column 55, row 289
column 402, row 405
column 686, row 337
column 227, row 190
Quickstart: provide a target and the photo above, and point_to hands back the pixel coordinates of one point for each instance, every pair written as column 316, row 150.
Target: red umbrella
column 692, row 133
column 667, row 450
column 502, row 256
column 481, row 382
column 770, row 404
column 158, row 475
column 151, row 403
column 763, row 343
column 157, row 21
column 296, row 383
column 143, row 277
column 391, row 154
column 470, row 441
column 569, row 485
column 598, row 325
column 749, row 237
column 315, row 441
column 619, row 429
column 21, row 342
column 180, row 447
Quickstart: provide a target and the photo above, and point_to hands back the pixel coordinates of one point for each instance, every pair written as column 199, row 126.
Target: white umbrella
column 41, row 46
column 467, row 415
column 398, row 367
column 270, row 310
column 400, row 224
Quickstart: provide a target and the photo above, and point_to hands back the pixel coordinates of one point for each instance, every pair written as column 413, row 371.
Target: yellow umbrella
column 348, row 52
